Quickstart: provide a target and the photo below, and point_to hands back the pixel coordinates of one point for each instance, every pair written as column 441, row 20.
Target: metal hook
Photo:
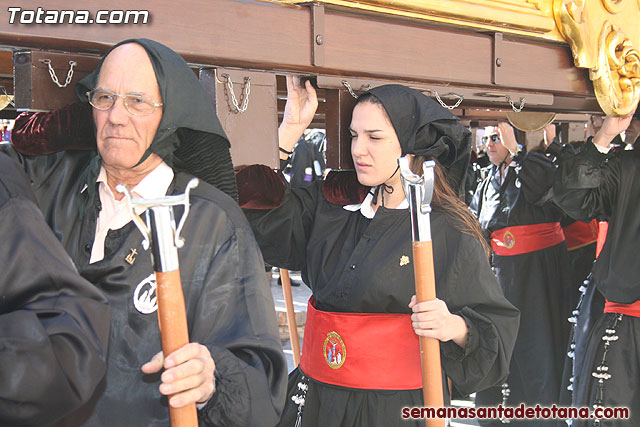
column 193, row 183
column 419, row 192
column 180, row 199
column 215, row 75
column 144, row 229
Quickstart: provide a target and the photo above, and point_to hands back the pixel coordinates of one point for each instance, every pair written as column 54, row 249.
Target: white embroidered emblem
column 404, row 260
column 144, row 297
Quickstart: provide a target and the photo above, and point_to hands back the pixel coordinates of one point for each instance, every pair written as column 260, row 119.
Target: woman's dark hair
column 372, row 99
column 447, row 201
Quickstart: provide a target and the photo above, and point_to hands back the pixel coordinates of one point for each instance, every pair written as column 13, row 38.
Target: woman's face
column 374, row 145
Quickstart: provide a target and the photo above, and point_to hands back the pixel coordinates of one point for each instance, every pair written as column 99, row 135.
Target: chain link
column 364, row 88
column 53, row 73
column 449, row 107
column 348, row 86
column 516, row 109
column 246, row 90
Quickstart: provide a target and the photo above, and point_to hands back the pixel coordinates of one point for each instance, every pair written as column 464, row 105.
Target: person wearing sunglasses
column 155, row 128
column 529, row 256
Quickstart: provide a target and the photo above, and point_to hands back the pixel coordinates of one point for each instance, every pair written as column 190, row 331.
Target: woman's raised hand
column 301, row 106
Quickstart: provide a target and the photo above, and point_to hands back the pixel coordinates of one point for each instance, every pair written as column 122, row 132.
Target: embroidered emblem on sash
column 509, row 240
column 404, row 260
column 144, row 297
column 335, row 352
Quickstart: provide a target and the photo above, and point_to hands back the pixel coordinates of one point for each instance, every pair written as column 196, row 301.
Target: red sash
column 632, row 309
column 522, row 239
column 579, row 234
column 376, row 351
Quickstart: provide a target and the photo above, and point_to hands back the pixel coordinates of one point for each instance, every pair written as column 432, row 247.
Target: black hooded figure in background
column 153, row 122
column 351, row 238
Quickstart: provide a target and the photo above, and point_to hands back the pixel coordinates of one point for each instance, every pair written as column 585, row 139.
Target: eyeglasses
column 495, row 138
column 135, row 104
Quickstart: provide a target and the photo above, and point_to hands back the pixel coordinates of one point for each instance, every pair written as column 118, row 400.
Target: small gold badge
column 131, row 258
column 335, row 352
column 404, row 260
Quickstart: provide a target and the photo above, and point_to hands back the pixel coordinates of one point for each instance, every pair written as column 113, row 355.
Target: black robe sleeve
column 473, row 293
column 587, row 184
column 283, row 232
column 236, row 321
column 536, row 173
column 54, row 325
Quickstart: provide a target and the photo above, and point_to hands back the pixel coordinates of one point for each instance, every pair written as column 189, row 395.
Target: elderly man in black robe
column 153, row 122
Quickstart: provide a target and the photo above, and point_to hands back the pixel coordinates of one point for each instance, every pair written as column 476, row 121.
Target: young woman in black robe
column 351, row 238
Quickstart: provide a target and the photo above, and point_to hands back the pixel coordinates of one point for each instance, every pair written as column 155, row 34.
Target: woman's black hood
column 425, row 128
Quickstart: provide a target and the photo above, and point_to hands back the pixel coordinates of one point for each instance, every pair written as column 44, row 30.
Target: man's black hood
column 190, row 129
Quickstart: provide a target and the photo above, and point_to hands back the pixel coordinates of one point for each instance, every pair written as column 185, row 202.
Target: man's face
column 122, row 137
column 495, row 150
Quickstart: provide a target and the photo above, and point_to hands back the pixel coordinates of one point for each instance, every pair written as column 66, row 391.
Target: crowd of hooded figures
column 522, row 312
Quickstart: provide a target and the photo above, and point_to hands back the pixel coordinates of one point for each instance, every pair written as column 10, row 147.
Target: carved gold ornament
column 604, row 36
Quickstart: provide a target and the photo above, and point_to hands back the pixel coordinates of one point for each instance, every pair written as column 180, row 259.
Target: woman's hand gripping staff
column 419, row 190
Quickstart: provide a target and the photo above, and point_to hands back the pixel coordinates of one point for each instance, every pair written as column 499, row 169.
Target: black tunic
column 587, row 303
column 537, row 283
column 352, row 264
column 54, row 325
column 606, row 186
column 228, row 302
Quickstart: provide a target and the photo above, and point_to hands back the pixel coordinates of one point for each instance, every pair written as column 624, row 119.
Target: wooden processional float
column 482, row 59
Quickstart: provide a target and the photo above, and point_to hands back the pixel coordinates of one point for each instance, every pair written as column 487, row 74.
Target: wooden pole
column 291, row 316
column 172, row 318
column 164, row 238
column 429, row 347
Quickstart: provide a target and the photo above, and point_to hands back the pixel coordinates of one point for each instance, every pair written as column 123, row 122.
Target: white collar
column 366, row 209
column 152, row 186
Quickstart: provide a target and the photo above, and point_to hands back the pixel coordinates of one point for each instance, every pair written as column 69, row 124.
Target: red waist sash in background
column 632, row 309
column 522, row 239
column 579, row 234
column 603, row 227
column 376, row 351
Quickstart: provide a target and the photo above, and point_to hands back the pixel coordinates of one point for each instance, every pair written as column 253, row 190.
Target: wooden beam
column 339, row 107
column 6, row 63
